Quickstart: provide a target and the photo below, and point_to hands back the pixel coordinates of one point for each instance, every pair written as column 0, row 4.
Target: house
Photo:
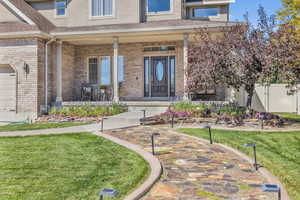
column 50, row 50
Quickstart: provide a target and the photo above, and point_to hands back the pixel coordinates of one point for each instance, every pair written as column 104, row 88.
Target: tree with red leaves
column 243, row 55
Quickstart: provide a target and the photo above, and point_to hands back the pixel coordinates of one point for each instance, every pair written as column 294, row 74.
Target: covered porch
column 148, row 66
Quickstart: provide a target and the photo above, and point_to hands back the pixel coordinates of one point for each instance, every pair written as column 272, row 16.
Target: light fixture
column 209, row 131
column 108, row 193
column 26, row 68
column 272, row 188
column 144, row 112
column 152, row 141
column 254, row 153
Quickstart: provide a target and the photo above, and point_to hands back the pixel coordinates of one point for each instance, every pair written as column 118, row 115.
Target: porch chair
column 86, row 92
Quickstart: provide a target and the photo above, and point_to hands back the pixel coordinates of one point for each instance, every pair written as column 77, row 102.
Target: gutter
column 46, row 72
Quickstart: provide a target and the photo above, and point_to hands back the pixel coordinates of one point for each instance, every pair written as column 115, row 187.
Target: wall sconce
column 26, row 68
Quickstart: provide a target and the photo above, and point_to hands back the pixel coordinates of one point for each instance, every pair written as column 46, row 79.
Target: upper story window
column 205, row 12
column 61, row 7
column 159, row 6
column 101, row 8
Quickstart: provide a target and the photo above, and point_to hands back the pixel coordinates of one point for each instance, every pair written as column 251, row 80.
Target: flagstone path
column 194, row 169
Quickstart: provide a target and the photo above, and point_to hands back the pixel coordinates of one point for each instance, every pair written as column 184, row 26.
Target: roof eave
column 138, row 30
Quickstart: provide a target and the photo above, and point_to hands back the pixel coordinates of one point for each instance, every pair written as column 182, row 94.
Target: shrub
column 184, row 106
column 90, row 111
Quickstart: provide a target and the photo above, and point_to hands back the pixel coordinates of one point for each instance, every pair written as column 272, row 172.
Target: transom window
column 60, row 7
column 160, row 48
column 101, row 8
column 159, row 6
column 205, row 12
column 99, row 70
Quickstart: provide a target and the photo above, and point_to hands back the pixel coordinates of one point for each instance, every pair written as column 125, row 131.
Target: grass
column 69, row 167
column 279, row 152
column 25, row 127
column 290, row 116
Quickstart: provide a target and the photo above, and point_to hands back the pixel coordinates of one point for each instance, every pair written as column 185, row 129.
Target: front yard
column 38, row 126
column 69, row 166
column 279, row 152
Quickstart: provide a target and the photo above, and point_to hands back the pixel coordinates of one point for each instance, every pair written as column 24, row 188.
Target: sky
column 240, row 7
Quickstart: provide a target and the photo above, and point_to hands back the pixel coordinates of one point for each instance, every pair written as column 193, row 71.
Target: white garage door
column 7, row 89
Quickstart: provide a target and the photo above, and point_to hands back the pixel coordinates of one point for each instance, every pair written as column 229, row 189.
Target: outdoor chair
column 86, row 92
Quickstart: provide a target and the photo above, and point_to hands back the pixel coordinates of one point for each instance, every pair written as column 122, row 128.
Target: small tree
column 291, row 12
column 243, row 55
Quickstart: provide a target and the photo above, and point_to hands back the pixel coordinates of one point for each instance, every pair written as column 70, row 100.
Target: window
column 101, row 8
column 93, row 70
column 99, row 70
column 121, row 69
column 205, row 12
column 159, row 5
column 105, row 71
column 160, row 48
column 60, row 7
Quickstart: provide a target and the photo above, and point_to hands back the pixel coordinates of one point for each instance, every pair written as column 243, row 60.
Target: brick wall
column 75, row 68
column 16, row 52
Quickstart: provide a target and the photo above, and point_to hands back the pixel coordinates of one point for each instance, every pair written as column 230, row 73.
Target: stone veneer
column 30, row 87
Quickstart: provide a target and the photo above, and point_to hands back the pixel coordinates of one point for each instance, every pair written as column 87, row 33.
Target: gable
column 7, row 15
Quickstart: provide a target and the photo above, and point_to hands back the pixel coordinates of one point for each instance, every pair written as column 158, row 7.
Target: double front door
column 160, row 76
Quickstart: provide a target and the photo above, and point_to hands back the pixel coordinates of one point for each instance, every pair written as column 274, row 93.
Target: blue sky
column 240, row 7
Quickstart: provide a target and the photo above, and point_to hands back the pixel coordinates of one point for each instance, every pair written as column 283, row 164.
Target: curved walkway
column 194, row 169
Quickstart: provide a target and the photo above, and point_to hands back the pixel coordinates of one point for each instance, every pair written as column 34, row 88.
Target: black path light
column 108, row 193
column 172, row 120
column 102, row 123
column 254, row 153
column 144, row 113
column 152, row 141
column 272, row 188
column 209, row 131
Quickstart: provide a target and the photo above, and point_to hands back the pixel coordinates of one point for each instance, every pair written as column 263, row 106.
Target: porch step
column 157, row 109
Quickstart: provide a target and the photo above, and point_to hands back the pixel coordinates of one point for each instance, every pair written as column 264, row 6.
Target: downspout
column 46, row 72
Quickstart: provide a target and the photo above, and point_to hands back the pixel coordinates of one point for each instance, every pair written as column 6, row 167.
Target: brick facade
column 30, row 87
column 75, row 68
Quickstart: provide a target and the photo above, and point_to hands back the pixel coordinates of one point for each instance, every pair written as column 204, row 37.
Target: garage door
column 7, row 89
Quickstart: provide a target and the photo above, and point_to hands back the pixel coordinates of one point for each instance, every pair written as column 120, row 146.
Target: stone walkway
column 194, row 169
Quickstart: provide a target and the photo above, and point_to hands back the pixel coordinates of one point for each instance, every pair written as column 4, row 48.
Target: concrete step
column 156, row 109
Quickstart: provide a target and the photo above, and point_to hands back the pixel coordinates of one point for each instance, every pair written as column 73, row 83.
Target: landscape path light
column 144, row 113
column 102, row 123
column 209, row 132
column 272, row 188
column 172, row 120
column 254, row 153
column 108, row 193
column 152, row 141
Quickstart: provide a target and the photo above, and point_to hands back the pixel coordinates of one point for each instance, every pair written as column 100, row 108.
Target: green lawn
column 290, row 116
column 66, row 167
column 279, row 152
column 25, row 127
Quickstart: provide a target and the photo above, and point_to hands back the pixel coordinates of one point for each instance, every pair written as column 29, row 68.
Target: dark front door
column 159, row 78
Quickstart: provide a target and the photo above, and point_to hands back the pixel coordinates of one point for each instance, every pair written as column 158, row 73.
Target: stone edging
column 155, row 165
column 264, row 172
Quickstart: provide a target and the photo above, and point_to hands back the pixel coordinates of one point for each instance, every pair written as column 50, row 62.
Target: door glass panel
column 172, row 75
column 159, row 71
column 146, row 77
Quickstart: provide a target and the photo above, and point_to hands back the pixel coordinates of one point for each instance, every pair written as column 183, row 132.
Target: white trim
column 191, row 12
column 166, row 28
column 209, row 3
column 171, row 11
column 18, row 12
column 113, row 15
column 55, row 10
